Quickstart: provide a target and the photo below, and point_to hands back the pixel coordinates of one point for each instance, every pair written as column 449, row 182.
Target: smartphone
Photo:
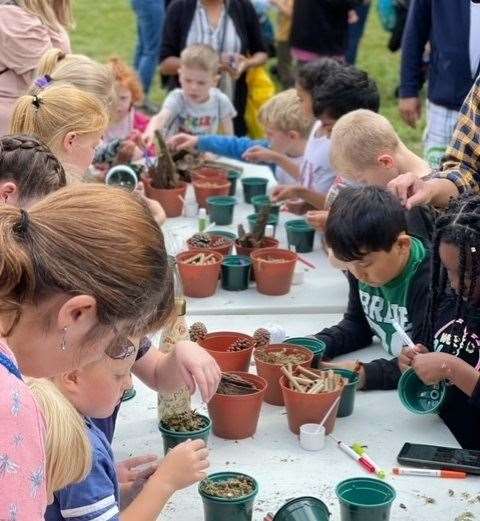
column 433, row 457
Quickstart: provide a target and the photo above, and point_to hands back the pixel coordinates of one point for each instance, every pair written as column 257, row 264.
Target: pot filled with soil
column 309, row 394
column 212, row 242
column 182, row 427
column 199, row 271
column 228, row 496
column 266, row 242
column 253, row 186
column 301, row 235
column 223, row 233
column 207, row 173
column 231, row 350
column 208, row 188
column 269, row 363
column 317, row 347
column 274, row 270
column 220, row 209
column 235, row 407
column 253, row 220
column 236, row 272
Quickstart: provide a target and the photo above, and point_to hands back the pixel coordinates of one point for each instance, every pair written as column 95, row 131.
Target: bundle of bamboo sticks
column 201, row 259
column 306, row 381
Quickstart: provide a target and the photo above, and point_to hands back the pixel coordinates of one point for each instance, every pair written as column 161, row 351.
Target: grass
column 106, row 28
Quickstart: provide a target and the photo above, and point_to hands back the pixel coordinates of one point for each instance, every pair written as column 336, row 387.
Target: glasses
column 120, row 347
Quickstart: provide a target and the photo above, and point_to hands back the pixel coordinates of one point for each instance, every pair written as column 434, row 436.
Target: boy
column 198, row 107
column 367, row 230
column 94, row 391
column 287, row 130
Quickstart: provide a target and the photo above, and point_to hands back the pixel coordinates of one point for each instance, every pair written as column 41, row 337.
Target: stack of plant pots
column 199, row 280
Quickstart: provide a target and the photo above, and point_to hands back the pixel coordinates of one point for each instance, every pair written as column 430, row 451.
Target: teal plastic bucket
column 236, row 272
column 259, row 201
column 303, row 509
column 172, row 438
column 301, row 235
column 317, row 347
column 418, row 397
column 253, row 219
column 347, row 402
column 253, row 186
column 220, row 209
column 233, row 176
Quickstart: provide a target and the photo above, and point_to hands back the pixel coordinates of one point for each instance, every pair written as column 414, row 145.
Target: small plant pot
column 259, row 201
column 217, row 344
column 253, row 186
column 365, row 499
column 173, row 438
column 225, row 249
column 220, row 209
column 347, row 401
column 317, row 347
column 253, row 219
column 418, row 397
column 208, row 173
column 122, row 176
column 273, row 278
column 171, row 199
column 273, row 372
column 235, row 417
column 303, row 509
column 233, row 176
column 199, row 281
column 223, row 509
column 309, row 408
column 301, row 235
column 228, row 235
column 236, row 272
column 205, row 189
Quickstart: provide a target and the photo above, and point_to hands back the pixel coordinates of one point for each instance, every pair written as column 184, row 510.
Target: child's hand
column 132, row 474
column 183, row 142
column 183, row 466
column 258, row 154
column 318, row 219
column 155, row 207
column 352, row 17
column 407, row 355
column 351, row 365
column 432, row 368
column 284, row 192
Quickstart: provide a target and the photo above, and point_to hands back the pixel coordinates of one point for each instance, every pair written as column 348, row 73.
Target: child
column 28, row 170
column 65, row 434
column 70, row 121
column 198, row 107
column 95, row 390
column 367, row 230
column 287, row 131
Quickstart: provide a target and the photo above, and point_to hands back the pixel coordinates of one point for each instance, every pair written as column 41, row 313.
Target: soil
column 186, row 422
column 230, row 488
column 281, row 357
column 231, row 384
column 272, row 260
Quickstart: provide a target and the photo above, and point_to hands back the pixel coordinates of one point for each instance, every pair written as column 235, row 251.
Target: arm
column 229, row 146
column 316, row 199
column 285, row 6
column 381, row 374
column 260, row 154
column 158, row 122
column 227, row 126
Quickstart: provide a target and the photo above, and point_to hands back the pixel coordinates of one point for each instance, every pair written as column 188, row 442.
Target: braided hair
column 459, row 226
column 31, row 165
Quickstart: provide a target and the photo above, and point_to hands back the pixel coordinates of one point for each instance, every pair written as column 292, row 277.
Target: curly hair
column 127, row 77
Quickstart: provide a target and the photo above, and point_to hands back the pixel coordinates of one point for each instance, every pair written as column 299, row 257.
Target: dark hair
column 363, row 220
column 459, row 225
column 31, row 165
column 315, row 73
column 345, row 89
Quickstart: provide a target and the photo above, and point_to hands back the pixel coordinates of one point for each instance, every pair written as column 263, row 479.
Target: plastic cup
column 317, row 347
column 172, row 438
column 312, row 436
column 191, row 209
column 303, row 509
column 418, row 397
column 365, row 499
column 253, row 186
column 253, row 218
column 220, row 209
column 347, row 401
column 122, row 176
column 301, row 235
column 233, row 175
column 259, row 201
column 236, row 272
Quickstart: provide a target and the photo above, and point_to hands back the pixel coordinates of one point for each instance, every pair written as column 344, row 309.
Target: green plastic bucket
column 347, row 401
column 233, row 175
column 220, row 209
column 259, row 201
column 172, row 438
column 253, row 186
column 365, row 499
column 317, row 347
column 236, row 272
column 418, row 397
column 253, row 218
column 301, row 235
column 303, row 509
column 223, row 509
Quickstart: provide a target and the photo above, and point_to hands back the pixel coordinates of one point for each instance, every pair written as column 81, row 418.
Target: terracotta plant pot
column 272, row 372
column 199, row 281
column 223, row 250
column 205, row 189
column 171, row 199
column 273, row 278
column 207, row 173
column 309, row 408
column 218, row 343
column 267, row 242
column 235, row 417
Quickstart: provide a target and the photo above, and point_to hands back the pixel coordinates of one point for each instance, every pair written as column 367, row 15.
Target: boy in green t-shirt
column 367, row 230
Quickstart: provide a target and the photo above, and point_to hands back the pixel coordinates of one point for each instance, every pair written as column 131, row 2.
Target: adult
column 28, row 28
column 451, row 27
column 231, row 27
column 150, row 16
column 356, row 28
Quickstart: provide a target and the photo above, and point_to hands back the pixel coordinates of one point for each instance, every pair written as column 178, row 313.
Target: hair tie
column 22, row 227
column 43, row 81
column 36, row 101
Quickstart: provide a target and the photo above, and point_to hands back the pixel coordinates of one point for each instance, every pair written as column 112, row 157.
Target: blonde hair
column 67, row 445
column 77, row 70
column 359, row 138
column 284, row 112
column 56, row 14
column 200, row 56
column 57, row 110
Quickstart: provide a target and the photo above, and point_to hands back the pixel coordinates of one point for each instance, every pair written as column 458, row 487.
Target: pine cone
column 262, row 338
column 200, row 240
column 198, row 331
column 240, row 344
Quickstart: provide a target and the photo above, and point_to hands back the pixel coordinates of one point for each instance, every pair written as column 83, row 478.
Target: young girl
column 70, row 121
column 452, row 333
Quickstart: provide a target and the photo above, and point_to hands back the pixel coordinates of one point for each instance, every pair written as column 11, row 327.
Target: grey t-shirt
column 197, row 118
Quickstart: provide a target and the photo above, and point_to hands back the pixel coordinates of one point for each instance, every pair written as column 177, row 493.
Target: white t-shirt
column 474, row 37
column 283, row 177
column 316, row 172
column 197, row 118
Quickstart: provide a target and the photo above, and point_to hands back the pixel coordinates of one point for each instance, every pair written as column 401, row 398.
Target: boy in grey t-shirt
column 198, row 107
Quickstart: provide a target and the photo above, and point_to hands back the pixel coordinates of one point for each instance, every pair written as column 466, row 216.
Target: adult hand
column 318, row 219
column 258, row 154
column 432, row 368
column 351, row 365
column 408, row 354
column 411, row 190
column 284, row 192
column 132, row 474
column 236, row 65
column 352, row 17
column 183, row 142
column 197, row 367
column 410, row 110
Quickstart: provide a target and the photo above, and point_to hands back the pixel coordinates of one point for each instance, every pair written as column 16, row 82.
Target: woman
column 231, row 27
column 28, row 28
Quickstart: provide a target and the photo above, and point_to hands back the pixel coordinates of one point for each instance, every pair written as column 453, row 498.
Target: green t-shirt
column 384, row 304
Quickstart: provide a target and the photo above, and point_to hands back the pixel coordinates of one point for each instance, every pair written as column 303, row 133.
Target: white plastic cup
column 312, row 436
column 298, row 276
column 191, row 209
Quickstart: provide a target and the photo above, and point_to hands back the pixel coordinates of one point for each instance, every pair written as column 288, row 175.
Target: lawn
column 108, row 27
